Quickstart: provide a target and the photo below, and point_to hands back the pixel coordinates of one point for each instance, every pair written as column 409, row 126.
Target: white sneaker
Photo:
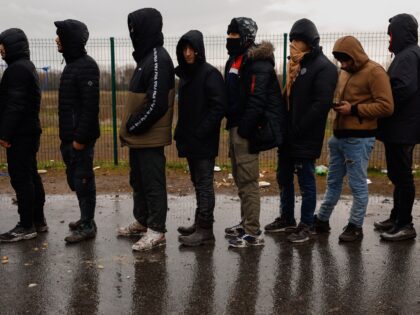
column 134, row 228
column 149, row 241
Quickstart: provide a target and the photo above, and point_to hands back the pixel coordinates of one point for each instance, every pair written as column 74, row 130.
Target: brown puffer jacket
column 367, row 89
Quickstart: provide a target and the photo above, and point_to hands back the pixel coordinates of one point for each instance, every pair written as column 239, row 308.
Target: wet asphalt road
column 104, row 276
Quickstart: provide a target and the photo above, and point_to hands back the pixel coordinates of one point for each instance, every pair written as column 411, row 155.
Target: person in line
column 20, row 132
column 309, row 90
column 363, row 95
column 147, row 128
column 78, row 114
column 201, row 107
column 255, row 120
column 401, row 132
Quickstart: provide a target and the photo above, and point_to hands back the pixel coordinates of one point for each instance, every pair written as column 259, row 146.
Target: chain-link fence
column 117, row 52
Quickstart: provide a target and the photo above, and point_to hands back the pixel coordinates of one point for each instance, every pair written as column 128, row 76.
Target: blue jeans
column 348, row 156
column 305, row 170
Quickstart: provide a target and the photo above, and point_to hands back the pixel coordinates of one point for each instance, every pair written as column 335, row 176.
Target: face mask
column 234, row 47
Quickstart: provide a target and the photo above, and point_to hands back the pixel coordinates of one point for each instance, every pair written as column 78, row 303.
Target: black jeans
column 399, row 160
column 80, row 177
column 148, row 180
column 202, row 174
column 25, row 180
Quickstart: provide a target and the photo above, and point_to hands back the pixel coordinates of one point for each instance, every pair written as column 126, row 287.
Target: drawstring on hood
column 145, row 27
column 16, row 45
column 73, row 36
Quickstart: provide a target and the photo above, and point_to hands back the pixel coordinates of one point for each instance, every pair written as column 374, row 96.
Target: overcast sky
column 106, row 18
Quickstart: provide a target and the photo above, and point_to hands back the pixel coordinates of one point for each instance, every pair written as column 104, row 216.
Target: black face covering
column 234, row 46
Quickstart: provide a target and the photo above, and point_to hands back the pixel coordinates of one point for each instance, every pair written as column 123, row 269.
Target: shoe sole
column 381, row 229
column 352, row 240
column 23, row 238
column 147, row 249
column 300, row 241
column 399, row 239
column 320, row 232
column 42, row 230
column 247, row 245
column 231, row 235
column 282, row 230
column 131, row 234
column 185, row 234
column 81, row 240
column 197, row 243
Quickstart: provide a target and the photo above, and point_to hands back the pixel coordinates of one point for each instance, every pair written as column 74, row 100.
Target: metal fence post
column 114, row 101
column 284, row 58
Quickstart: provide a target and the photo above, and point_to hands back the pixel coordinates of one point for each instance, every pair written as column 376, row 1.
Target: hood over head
column 15, row 43
column 306, row 31
column 73, row 36
column 403, row 30
column 145, row 27
column 195, row 39
column 350, row 46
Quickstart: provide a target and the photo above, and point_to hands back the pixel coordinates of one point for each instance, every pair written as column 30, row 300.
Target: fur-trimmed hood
column 264, row 50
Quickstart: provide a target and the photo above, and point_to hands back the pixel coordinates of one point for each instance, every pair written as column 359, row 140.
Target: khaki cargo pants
column 245, row 171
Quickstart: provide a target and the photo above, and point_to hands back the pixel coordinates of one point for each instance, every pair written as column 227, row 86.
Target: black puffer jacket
column 260, row 100
column 201, row 102
column 78, row 107
column 404, row 72
column 310, row 97
column 20, row 95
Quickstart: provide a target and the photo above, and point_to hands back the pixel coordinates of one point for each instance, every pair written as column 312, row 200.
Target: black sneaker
column 400, row 233
column 321, row 227
column 41, row 227
column 301, row 234
column 235, row 230
column 351, row 233
column 247, row 240
column 386, row 225
column 85, row 231
column 18, row 233
column 280, row 224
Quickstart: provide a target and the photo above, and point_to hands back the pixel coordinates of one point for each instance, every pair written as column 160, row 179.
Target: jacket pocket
column 263, row 138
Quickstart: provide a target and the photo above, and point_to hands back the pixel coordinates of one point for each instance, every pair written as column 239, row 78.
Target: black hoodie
column 20, row 95
column 148, row 114
column 201, row 102
column 311, row 96
column 404, row 72
column 78, row 99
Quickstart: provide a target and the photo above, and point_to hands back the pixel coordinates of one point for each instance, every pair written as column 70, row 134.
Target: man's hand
column 78, row 146
column 344, row 108
column 5, row 144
